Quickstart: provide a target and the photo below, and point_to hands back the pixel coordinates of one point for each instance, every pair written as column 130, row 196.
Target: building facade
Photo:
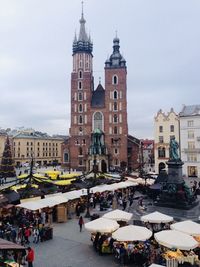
column 148, row 155
column 98, row 129
column 166, row 126
column 190, row 140
column 26, row 143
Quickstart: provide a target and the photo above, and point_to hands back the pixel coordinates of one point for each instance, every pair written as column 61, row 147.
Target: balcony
column 191, row 150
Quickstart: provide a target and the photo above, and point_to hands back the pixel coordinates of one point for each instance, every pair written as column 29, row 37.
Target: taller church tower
column 81, row 94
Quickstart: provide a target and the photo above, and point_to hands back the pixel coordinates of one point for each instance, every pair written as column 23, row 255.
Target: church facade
column 98, row 133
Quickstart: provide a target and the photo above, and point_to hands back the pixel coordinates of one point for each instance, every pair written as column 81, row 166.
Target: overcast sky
column 160, row 40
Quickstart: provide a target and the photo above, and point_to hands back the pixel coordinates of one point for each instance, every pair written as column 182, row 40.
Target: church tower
column 116, row 127
column 81, row 94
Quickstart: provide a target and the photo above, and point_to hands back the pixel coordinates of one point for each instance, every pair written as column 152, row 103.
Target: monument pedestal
column 175, row 193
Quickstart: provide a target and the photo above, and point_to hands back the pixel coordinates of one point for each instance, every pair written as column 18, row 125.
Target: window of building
column 84, row 141
column 98, row 121
column 79, row 85
column 191, row 145
column 14, row 143
column 18, row 143
column 31, row 143
column 115, row 95
column 38, row 154
column 116, row 151
column 80, row 74
column 161, row 152
column 80, row 96
column 115, row 119
column 172, row 128
column 115, row 106
column 49, row 154
column 38, row 143
column 80, row 108
column 191, row 134
column 190, row 123
column 27, row 143
column 80, row 120
column 115, row 130
column 161, row 139
column 80, row 151
column 115, row 79
column 160, row 129
column 192, row 157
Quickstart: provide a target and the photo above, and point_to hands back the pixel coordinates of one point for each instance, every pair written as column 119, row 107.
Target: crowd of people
column 23, row 228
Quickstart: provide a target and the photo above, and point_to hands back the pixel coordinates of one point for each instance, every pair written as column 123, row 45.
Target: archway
column 161, row 166
column 103, row 166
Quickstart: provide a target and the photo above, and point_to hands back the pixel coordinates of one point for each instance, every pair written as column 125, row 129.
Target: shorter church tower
column 116, row 127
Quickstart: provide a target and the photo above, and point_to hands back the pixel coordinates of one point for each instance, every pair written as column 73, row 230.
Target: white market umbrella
column 132, row 233
column 102, row 225
column 156, row 217
column 156, row 265
column 175, row 239
column 188, row 227
column 118, row 215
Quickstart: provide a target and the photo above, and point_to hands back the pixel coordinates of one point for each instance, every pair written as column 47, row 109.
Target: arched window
column 115, row 118
column 79, row 85
column 80, row 151
column 115, row 79
column 115, row 130
column 80, row 119
column 80, row 108
column 161, row 152
column 80, row 74
column 80, row 97
column 115, row 106
column 115, row 95
column 98, row 121
column 66, row 157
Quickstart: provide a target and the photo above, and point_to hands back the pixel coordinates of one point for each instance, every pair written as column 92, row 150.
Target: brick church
column 98, row 133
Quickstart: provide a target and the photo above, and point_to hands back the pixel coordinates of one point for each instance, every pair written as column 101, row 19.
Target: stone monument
column 175, row 193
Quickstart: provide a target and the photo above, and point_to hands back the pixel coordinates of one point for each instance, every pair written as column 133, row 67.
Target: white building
column 166, row 126
column 190, row 140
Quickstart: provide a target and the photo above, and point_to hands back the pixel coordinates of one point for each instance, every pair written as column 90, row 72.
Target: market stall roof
column 188, row 227
column 112, row 187
column 132, row 233
column 156, row 217
column 156, row 265
column 7, row 245
column 175, row 239
column 75, row 194
column 43, row 203
column 102, row 225
column 118, row 215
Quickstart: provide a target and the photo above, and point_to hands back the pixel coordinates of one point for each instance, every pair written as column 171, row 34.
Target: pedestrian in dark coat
column 80, row 222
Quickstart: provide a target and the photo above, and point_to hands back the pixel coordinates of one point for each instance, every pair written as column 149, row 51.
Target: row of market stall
column 176, row 245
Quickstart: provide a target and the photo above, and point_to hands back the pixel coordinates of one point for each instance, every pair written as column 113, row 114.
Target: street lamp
column 89, row 185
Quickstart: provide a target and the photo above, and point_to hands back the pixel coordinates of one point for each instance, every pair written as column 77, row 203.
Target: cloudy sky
column 160, row 41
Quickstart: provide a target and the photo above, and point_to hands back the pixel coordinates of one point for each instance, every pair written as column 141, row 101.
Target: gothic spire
column 83, row 44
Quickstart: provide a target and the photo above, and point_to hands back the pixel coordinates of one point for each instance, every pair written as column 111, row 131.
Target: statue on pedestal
column 173, row 150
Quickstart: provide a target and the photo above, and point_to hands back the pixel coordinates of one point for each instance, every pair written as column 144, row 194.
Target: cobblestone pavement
column 70, row 248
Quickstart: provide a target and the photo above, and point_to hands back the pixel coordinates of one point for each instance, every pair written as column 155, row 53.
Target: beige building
column 3, row 136
column 166, row 126
column 45, row 149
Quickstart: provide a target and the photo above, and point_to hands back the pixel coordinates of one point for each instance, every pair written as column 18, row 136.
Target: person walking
column 81, row 222
column 30, row 257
